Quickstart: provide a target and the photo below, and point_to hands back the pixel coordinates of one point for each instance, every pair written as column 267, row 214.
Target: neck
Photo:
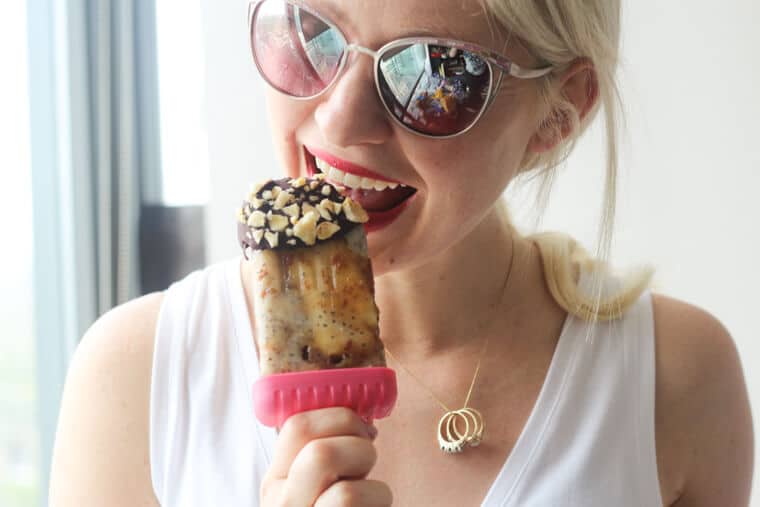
column 455, row 299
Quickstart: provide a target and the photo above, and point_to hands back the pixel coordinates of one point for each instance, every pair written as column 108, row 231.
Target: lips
column 346, row 166
column 383, row 206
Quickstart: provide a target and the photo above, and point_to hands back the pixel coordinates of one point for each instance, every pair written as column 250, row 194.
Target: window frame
column 61, row 153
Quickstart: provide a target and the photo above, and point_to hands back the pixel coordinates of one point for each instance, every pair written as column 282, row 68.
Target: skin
column 440, row 294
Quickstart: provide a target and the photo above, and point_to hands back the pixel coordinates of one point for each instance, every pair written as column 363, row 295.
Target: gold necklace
column 452, row 438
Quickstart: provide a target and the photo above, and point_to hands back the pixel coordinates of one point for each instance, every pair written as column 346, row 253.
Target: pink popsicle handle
column 370, row 391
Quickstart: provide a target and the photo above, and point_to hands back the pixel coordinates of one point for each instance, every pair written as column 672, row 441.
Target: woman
column 593, row 390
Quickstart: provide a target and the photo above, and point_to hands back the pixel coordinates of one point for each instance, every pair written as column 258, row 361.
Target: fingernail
column 372, row 431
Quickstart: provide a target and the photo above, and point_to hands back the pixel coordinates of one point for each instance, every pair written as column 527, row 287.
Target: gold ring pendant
column 451, row 438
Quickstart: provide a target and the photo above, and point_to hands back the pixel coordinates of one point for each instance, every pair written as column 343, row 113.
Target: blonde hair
column 557, row 33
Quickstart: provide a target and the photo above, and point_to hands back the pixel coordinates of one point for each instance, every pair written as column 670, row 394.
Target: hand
column 322, row 459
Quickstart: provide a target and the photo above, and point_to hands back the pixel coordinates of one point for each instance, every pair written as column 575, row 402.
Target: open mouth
column 383, row 200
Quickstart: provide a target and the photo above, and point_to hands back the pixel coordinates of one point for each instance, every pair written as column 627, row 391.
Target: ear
column 579, row 84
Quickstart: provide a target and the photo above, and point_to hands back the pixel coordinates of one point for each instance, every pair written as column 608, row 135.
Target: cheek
column 471, row 165
column 487, row 158
column 463, row 179
column 493, row 148
column 286, row 116
column 465, row 186
column 285, row 113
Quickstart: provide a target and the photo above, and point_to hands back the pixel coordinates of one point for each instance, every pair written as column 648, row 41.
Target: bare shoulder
column 704, row 424
column 101, row 447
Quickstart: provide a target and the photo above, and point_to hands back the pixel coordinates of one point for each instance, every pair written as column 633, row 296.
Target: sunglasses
column 433, row 87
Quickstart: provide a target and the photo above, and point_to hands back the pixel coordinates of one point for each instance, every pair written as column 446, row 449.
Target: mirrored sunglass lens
column 297, row 52
column 435, row 90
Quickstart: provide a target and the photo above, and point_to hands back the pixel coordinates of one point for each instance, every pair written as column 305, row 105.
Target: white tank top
column 588, row 442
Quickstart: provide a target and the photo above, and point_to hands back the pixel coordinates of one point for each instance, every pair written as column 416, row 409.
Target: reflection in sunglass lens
column 297, row 52
column 435, row 90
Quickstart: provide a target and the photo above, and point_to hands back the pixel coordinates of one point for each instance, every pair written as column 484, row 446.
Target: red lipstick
column 381, row 219
column 348, row 167
column 377, row 219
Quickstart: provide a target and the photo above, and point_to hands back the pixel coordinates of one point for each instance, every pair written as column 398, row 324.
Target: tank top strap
column 205, row 447
column 597, row 447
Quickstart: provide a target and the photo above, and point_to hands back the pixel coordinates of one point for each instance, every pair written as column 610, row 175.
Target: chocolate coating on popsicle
column 295, row 213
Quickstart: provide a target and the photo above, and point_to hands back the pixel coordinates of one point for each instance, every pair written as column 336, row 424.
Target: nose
column 351, row 112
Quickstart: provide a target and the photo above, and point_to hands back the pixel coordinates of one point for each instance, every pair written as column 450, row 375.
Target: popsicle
column 312, row 293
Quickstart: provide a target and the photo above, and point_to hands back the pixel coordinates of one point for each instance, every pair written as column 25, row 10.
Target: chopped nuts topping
column 324, row 213
column 292, row 211
column 278, row 222
column 257, row 219
column 272, row 238
column 331, row 206
column 306, row 208
column 306, row 228
column 283, row 198
column 326, row 230
column 354, row 212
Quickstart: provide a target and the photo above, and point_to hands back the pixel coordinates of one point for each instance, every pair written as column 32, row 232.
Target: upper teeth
column 351, row 180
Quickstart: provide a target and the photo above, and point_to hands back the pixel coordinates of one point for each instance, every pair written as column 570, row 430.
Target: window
column 19, row 428
column 184, row 157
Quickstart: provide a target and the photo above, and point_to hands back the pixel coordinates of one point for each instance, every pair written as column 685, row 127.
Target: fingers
column 302, row 428
column 363, row 493
column 323, row 462
column 317, row 450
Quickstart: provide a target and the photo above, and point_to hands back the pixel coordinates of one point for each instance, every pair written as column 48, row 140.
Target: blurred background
column 131, row 128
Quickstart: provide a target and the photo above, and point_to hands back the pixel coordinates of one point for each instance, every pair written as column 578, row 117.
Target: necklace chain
column 436, row 398
column 482, row 352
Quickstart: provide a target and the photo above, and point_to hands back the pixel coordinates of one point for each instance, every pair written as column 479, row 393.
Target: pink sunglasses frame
column 492, row 59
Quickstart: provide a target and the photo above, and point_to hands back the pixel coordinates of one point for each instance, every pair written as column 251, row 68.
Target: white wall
column 691, row 164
